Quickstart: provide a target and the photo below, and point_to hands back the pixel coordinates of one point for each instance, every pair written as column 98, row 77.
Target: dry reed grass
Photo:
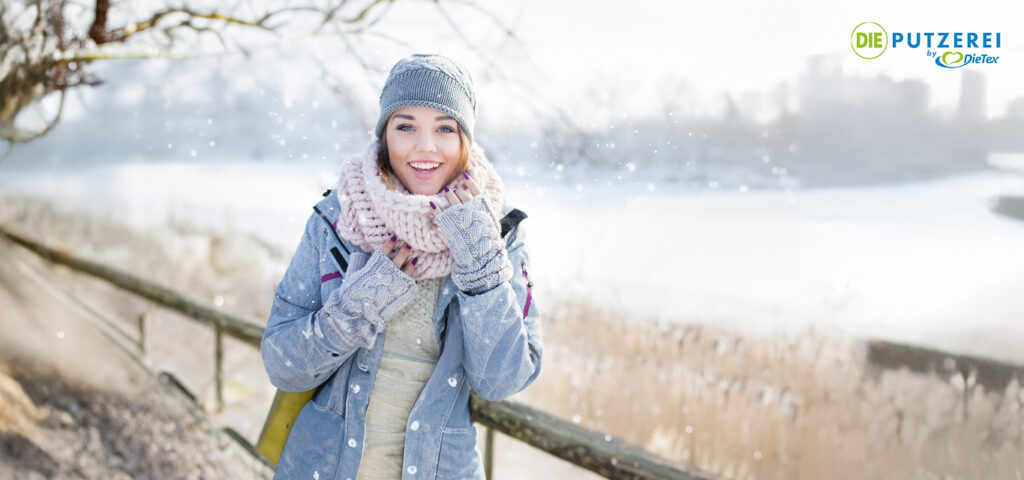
column 799, row 405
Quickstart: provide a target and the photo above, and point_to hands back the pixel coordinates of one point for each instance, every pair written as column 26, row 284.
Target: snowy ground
column 101, row 418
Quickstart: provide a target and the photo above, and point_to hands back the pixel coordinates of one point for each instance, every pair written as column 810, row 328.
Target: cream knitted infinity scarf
column 370, row 213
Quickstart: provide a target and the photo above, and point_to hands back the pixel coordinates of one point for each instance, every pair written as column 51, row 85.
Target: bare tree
column 47, row 46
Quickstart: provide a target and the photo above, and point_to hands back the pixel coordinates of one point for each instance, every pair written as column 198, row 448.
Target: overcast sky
column 746, row 45
column 570, row 52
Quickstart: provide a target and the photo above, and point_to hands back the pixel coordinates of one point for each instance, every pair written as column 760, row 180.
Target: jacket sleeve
column 296, row 354
column 502, row 332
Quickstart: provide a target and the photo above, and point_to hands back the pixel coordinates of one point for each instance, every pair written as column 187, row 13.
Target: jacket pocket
column 334, row 392
column 313, row 449
column 459, row 457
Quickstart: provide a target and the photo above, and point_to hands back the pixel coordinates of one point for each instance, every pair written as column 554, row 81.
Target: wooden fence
column 609, row 457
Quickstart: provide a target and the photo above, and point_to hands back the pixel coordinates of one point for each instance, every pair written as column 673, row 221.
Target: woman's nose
column 425, row 143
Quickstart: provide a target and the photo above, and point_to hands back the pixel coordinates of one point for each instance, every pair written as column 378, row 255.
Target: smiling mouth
column 424, row 166
column 425, row 169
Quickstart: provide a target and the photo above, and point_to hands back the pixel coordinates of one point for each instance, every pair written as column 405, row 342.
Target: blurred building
column 972, row 97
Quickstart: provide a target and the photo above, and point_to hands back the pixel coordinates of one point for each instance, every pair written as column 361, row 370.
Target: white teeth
column 424, row 166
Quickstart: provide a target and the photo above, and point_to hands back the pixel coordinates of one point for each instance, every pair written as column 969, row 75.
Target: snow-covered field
column 924, row 262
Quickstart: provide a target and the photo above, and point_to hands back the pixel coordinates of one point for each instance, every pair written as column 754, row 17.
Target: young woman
column 433, row 301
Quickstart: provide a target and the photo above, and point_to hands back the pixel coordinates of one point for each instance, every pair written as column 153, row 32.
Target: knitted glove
column 474, row 236
column 373, row 290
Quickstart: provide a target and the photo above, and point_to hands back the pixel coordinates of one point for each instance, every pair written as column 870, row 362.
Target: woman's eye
column 404, row 127
column 446, row 129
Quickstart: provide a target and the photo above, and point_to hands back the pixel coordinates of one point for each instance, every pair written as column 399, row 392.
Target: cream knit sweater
column 410, row 354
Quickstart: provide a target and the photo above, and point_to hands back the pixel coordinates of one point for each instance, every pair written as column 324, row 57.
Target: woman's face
column 423, row 148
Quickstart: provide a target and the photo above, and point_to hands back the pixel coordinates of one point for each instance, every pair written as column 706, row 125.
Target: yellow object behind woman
column 279, row 422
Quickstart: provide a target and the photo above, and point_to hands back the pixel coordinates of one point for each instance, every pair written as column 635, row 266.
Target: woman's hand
column 401, row 254
column 372, row 291
column 458, row 197
column 472, row 229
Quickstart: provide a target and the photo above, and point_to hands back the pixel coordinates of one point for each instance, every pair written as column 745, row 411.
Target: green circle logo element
column 959, row 58
column 869, row 40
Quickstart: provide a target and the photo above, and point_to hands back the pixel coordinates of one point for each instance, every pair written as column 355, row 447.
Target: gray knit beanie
column 433, row 81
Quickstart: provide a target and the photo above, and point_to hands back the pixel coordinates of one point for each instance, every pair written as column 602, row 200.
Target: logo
column 869, row 40
column 958, row 60
column 950, row 60
column 952, row 49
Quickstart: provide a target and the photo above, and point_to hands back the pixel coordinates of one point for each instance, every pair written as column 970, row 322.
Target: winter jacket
column 489, row 342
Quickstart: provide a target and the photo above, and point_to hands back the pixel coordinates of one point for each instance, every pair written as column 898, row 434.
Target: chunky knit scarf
column 371, row 213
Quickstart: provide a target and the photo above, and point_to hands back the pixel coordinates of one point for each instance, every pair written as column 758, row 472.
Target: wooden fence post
column 219, row 360
column 489, row 453
column 142, row 333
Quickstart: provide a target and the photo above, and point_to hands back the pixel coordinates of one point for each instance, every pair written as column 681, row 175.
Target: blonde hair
column 387, row 174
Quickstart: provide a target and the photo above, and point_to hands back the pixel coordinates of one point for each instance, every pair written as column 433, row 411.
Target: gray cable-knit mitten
column 473, row 232
column 373, row 290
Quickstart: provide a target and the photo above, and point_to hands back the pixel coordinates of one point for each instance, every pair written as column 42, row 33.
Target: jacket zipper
column 529, row 293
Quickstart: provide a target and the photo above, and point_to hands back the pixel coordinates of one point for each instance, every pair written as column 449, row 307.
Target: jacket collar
column 329, row 206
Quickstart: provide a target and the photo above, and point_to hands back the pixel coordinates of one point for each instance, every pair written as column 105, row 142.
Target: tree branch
column 134, row 28
column 98, row 30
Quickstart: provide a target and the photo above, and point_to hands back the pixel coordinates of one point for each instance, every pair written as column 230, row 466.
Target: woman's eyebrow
column 410, row 117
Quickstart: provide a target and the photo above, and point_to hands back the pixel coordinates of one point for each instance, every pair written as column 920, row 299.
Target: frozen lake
column 924, row 262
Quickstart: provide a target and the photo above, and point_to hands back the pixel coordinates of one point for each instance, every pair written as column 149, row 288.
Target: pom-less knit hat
column 432, row 81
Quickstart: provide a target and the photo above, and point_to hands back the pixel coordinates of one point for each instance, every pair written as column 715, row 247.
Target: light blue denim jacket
column 489, row 342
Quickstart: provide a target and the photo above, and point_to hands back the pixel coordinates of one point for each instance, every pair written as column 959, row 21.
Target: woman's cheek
column 452, row 149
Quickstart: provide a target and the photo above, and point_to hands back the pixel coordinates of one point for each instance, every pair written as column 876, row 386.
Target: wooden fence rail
column 607, row 456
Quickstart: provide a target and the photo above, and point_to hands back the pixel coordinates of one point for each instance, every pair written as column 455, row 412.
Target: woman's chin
column 423, row 189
